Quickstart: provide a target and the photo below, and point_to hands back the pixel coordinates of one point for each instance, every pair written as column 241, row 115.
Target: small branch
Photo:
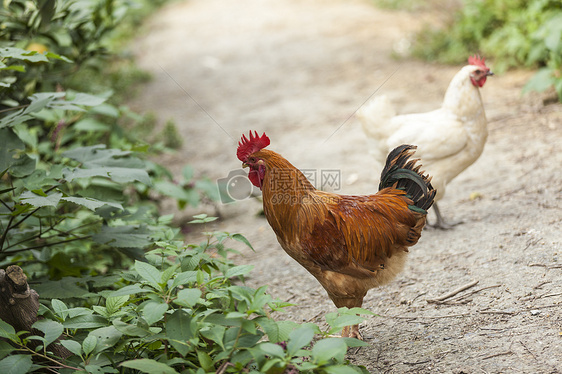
column 14, row 108
column 223, row 367
column 416, row 363
column 427, row 317
column 453, row 293
column 497, row 354
column 532, row 243
column 496, row 312
column 546, row 266
column 24, row 218
column 48, row 244
column 474, row 292
column 51, row 359
column 5, row 234
column 528, row 350
column 6, row 206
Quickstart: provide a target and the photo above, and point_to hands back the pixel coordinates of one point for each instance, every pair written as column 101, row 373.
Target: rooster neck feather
column 284, row 190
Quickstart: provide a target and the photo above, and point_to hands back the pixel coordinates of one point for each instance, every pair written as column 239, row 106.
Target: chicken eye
column 478, row 71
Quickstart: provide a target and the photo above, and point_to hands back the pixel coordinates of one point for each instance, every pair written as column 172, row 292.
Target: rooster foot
column 440, row 223
column 443, row 225
column 352, row 332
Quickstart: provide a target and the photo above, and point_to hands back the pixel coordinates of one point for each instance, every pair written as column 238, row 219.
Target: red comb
column 477, row 61
column 248, row 146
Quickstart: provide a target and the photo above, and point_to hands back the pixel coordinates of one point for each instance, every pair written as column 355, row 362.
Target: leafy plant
column 181, row 311
column 513, row 33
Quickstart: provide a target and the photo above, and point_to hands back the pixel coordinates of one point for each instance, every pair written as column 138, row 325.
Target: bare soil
column 298, row 70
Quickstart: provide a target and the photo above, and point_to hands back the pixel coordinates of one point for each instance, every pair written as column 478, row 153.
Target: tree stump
column 19, row 305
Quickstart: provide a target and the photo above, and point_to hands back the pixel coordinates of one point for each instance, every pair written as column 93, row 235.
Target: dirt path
column 298, row 69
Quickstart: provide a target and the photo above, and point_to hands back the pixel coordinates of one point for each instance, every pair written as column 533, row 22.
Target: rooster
column 449, row 139
column 350, row 244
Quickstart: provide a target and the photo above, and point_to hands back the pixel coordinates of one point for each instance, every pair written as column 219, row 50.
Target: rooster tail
column 404, row 173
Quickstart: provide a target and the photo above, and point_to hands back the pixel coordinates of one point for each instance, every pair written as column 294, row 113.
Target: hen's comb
column 248, row 146
column 477, row 61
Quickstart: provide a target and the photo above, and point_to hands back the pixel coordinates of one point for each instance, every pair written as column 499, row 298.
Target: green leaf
column 29, row 197
column 277, row 331
column 203, row 218
column 106, row 337
column 60, row 308
column 85, row 322
column 65, row 288
column 298, row 339
column 241, row 238
column 541, row 81
column 205, row 361
column 149, row 366
column 272, row 349
column 11, row 157
column 215, row 334
column 135, row 236
column 90, row 203
column 51, row 330
column 171, row 190
column 179, row 331
column 22, row 54
column 114, row 303
column 188, row 297
column 6, row 330
column 327, row 349
column 238, row 270
column 89, row 344
column 16, row 364
column 5, row 349
column 128, row 290
column 149, row 273
column 184, row 278
column 72, row 346
column 340, row 369
column 168, row 273
column 90, row 124
column 140, row 329
column 154, row 311
column 58, row 57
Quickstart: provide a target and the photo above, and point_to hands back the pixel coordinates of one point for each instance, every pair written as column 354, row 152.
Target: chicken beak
column 245, row 165
column 489, row 73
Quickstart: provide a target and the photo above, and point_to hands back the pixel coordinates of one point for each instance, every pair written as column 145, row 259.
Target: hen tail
column 404, row 173
column 375, row 117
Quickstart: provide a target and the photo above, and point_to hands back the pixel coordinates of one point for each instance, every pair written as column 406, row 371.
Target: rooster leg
column 440, row 223
column 349, row 302
column 351, row 332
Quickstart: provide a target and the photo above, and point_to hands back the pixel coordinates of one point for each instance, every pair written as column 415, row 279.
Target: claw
column 440, row 223
column 352, row 332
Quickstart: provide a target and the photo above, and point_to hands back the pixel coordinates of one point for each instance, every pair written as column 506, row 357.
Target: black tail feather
column 402, row 172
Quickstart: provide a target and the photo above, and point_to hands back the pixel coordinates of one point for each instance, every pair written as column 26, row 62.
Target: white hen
column 449, row 139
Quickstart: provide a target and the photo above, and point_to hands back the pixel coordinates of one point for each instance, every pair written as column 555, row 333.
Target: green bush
column 181, row 311
column 514, row 33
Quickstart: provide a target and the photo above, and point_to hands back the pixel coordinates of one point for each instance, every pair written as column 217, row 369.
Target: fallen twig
column 459, row 299
column 545, row 266
column 428, row 317
column 496, row 312
column 453, row 293
column 497, row 354
column 528, row 350
column 550, row 295
column 416, row 363
column 532, row 243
